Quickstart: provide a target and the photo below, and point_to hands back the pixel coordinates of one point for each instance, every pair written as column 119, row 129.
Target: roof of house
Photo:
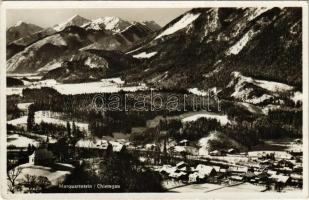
column 296, row 176
column 236, row 178
column 180, row 164
column 238, row 169
column 187, row 149
column 117, row 147
column 250, row 174
column 177, row 174
column 280, row 178
column 179, row 149
column 168, row 168
column 93, row 144
column 204, row 169
column 271, row 172
column 214, row 152
column 265, row 161
column 217, row 168
column 231, row 149
column 150, row 146
column 223, row 170
column 196, row 175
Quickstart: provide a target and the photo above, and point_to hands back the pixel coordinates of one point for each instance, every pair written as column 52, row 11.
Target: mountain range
column 208, row 44
column 248, row 54
column 253, row 54
column 34, row 51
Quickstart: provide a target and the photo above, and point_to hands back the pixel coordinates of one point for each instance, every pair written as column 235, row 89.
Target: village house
column 298, row 141
column 150, row 147
column 188, row 150
column 296, row 179
column 203, row 173
column 271, row 172
column 182, row 166
column 237, row 170
column 215, row 153
column 261, row 177
column 179, row 172
column 266, row 164
column 280, row 181
column 250, row 177
column 117, row 147
column 232, row 151
column 184, row 142
column 298, row 168
column 285, row 164
column 236, row 178
column 208, row 172
column 100, row 148
column 296, row 152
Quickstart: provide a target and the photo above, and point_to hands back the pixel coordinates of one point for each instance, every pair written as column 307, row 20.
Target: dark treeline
column 13, row 82
column 118, row 173
column 278, row 124
column 87, row 108
column 248, row 128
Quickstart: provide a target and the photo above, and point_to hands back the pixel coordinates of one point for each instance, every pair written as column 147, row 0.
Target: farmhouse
column 184, row 142
column 215, row 153
column 237, row 170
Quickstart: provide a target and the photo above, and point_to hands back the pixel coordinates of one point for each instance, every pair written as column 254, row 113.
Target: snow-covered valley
column 110, row 85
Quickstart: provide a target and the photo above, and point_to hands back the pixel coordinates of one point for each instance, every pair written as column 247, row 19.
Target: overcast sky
column 50, row 17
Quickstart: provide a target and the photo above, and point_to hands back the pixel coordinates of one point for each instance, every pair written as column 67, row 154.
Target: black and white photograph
column 189, row 98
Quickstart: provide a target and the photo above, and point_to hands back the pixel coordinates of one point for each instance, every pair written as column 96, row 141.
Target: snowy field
column 216, row 188
column 241, row 92
column 196, row 188
column 223, row 119
column 14, row 91
column 209, row 187
column 189, row 117
column 111, row 85
column 55, row 177
column 145, row 55
column 28, row 75
column 278, row 154
column 20, row 141
column 45, row 116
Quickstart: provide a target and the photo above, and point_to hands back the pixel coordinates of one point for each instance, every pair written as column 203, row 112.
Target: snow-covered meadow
column 241, row 92
column 47, row 117
column 20, row 141
column 223, row 119
column 109, row 85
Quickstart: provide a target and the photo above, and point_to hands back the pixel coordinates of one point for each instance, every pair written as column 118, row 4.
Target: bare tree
column 43, row 182
column 30, row 182
column 12, row 176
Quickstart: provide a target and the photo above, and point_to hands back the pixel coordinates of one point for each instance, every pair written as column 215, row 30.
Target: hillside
column 33, row 51
column 19, row 30
column 202, row 47
column 87, row 66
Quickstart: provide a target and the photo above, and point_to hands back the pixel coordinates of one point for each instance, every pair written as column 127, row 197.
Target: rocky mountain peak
column 75, row 20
